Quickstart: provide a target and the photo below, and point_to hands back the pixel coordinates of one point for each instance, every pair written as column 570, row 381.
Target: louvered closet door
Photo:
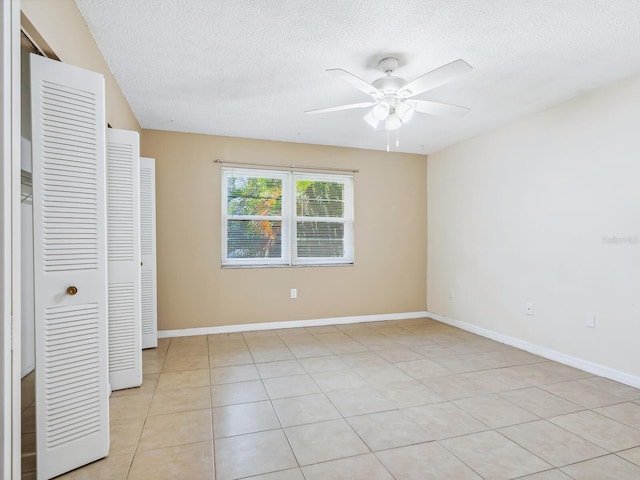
column 148, row 249
column 70, row 266
column 123, row 254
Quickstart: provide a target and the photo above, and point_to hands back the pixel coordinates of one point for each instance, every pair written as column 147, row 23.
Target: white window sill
column 351, row 264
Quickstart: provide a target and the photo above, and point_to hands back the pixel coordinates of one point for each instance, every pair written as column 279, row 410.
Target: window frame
column 285, row 235
column 346, row 219
column 289, row 218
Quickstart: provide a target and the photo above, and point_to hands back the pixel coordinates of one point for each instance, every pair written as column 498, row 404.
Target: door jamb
column 10, row 391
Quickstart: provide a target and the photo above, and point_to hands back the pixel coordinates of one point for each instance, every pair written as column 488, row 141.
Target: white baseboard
column 579, row 363
column 318, row 322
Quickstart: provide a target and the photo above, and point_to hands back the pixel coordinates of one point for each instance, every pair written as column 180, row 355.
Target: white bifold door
column 70, row 266
column 123, row 253
column 148, row 248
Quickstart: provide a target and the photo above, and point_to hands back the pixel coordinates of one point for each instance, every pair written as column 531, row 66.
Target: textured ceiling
column 250, row 68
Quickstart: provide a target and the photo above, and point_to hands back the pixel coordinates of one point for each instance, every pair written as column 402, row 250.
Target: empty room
column 294, row 240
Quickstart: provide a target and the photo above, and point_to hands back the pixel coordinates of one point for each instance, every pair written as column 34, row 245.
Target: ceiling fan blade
column 436, row 108
column 435, row 78
column 342, row 107
column 356, row 82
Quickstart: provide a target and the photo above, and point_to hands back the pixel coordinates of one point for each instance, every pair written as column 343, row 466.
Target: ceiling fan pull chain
column 387, row 130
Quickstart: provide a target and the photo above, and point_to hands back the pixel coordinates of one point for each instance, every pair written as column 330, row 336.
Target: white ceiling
column 250, row 68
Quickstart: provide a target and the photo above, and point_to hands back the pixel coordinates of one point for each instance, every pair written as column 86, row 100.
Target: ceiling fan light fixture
column 371, row 119
column 393, row 122
column 381, row 111
column 405, row 112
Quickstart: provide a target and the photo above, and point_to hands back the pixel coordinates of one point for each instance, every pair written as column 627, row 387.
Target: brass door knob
column 72, row 290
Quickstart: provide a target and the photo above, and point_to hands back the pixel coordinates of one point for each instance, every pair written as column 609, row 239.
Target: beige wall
column 194, row 291
column 519, row 214
column 60, row 30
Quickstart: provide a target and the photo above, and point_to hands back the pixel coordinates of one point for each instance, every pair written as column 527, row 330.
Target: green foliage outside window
column 320, row 199
column 254, row 238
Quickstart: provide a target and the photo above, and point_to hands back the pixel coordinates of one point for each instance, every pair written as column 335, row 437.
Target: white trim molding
column 548, row 353
column 318, row 322
column 10, row 425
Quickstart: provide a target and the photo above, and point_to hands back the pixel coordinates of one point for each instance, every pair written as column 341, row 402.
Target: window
column 281, row 218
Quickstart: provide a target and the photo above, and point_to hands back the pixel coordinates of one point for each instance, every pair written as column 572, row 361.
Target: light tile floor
column 401, row 400
column 28, row 426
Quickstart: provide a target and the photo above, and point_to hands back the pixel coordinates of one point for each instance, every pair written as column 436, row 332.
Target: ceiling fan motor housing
column 389, row 84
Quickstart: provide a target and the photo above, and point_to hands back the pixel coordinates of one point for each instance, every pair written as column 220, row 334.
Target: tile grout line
column 135, row 450
column 213, row 433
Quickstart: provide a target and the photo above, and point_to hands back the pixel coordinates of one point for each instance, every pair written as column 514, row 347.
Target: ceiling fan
column 393, row 104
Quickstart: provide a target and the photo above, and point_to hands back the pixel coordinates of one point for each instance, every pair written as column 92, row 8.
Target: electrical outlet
column 452, row 293
column 529, row 308
column 294, row 293
column 590, row 320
